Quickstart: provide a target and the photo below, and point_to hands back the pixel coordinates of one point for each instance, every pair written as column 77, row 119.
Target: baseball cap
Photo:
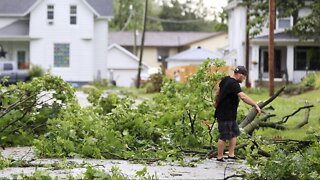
column 241, row 70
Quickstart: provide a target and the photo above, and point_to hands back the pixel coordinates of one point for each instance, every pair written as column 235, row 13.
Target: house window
column 22, row 62
column 73, row 14
column 61, row 55
column 50, row 14
column 163, row 53
column 277, row 62
column 307, row 58
column 283, row 22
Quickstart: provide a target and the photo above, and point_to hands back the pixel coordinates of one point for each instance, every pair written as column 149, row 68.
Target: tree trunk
column 272, row 125
column 306, row 118
column 248, row 83
column 271, row 47
column 255, row 124
column 253, row 113
column 142, row 43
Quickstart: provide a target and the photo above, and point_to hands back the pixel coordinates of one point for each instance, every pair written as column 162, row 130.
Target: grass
column 283, row 106
column 287, row 105
column 133, row 92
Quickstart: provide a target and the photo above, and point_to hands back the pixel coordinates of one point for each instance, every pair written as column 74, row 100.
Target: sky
column 218, row 4
column 211, row 3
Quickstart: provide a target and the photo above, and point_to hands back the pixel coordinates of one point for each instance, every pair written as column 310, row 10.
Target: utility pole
column 142, row 42
column 135, row 34
column 133, row 12
column 248, row 84
column 271, row 47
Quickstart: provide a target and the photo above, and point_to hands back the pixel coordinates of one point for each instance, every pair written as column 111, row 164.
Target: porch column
column 290, row 62
column 254, row 65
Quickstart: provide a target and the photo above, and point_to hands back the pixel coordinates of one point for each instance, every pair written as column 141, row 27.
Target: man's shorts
column 228, row 130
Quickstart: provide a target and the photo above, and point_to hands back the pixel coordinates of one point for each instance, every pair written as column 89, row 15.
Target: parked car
column 9, row 68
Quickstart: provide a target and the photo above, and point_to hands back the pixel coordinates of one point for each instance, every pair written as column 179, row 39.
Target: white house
column 193, row 56
column 122, row 66
column 66, row 37
column 294, row 58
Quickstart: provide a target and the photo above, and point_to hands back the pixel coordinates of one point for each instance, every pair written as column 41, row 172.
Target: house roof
column 165, row 39
column 128, row 53
column 195, row 54
column 102, row 8
column 17, row 28
column 280, row 35
column 15, row 7
column 284, row 38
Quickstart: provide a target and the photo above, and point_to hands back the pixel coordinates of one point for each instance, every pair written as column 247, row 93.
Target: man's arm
column 245, row 98
column 216, row 98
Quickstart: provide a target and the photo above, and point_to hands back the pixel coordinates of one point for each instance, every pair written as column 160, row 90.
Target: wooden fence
column 181, row 73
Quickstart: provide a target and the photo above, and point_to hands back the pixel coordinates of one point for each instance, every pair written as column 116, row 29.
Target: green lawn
column 286, row 105
column 283, row 106
column 133, row 92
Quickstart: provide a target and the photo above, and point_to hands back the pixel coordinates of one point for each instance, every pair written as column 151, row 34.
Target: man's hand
column 257, row 108
column 214, row 104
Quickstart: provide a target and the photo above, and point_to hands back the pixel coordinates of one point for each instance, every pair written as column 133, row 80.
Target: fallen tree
column 250, row 123
column 257, row 123
column 25, row 108
column 253, row 113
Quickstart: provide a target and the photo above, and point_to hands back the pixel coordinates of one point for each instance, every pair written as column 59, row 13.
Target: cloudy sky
column 209, row 3
column 216, row 3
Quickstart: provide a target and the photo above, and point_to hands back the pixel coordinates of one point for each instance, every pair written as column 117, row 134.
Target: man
column 226, row 103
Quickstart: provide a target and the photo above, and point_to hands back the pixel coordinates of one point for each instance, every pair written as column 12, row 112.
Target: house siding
column 236, row 34
column 123, row 68
column 119, row 60
column 150, row 56
column 100, row 48
column 79, row 37
column 29, row 30
column 216, row 43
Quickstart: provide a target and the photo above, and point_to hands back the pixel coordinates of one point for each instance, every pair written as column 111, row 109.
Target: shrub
column 309, row 82
column 36, row 71
column 155, row 83
column 312, row 79
column 99, row 83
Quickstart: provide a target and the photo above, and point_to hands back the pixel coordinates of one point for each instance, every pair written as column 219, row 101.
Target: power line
column 127, row 23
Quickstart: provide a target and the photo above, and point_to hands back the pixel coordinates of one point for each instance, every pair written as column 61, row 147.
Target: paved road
column 82, row 98
column 208, row 169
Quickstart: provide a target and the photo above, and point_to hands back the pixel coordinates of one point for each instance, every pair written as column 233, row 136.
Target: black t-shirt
column 228, row 100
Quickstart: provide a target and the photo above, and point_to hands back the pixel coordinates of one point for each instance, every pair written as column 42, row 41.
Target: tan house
column 160, row 45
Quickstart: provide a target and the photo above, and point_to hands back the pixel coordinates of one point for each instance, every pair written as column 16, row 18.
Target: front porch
column 16, row 51
column 277, row 83
column 293, row 58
